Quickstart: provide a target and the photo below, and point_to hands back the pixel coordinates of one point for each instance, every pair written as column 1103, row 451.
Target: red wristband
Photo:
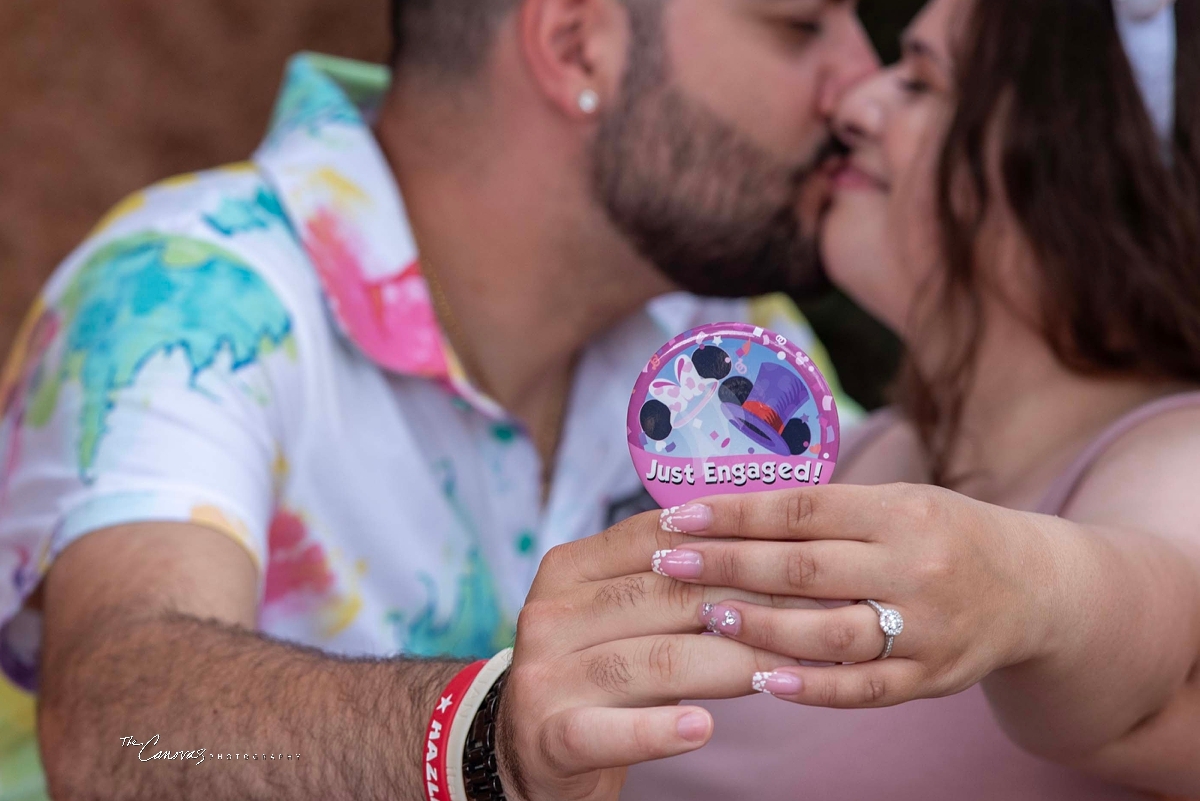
column 437, row 788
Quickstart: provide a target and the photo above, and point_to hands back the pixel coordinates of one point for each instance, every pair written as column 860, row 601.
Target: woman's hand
column 974, row 584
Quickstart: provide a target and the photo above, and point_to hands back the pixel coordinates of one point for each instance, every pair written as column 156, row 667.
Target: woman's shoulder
column 1146, row 478
column 883, row 449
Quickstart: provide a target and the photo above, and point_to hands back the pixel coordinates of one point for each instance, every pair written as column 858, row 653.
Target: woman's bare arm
column 1120, row 693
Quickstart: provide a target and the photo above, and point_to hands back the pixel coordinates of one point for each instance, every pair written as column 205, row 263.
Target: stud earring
column 589, row 101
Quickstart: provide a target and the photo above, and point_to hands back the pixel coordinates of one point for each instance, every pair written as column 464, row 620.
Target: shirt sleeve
column 146, row 386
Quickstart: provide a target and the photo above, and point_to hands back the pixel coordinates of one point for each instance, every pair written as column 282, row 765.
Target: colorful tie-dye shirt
column 253, row 350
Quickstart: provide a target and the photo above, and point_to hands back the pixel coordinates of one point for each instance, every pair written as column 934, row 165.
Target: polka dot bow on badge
column 730, row 408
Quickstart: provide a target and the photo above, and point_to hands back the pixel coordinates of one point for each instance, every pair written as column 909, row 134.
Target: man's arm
column 148, row 631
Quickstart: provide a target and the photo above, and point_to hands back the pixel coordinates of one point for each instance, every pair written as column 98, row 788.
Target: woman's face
column 880, row 236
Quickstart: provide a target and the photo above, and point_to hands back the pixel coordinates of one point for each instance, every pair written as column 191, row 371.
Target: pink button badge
column 730, row 408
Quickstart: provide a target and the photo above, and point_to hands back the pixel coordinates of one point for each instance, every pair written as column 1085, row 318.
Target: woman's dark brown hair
column 1113, row 223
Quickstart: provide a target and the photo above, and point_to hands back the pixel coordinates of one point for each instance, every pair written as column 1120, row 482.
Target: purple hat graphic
column 778, row 394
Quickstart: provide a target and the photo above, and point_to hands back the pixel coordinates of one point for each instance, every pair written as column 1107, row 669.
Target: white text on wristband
column 437, row 736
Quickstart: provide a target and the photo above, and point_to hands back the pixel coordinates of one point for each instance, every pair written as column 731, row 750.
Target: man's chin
column 816, row 196
column 812, row 209
column 817, row 283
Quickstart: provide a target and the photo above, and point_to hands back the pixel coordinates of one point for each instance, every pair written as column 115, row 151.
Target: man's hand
column 605, row 650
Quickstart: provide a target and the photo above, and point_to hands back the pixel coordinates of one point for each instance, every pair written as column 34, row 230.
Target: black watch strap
column 481, row 767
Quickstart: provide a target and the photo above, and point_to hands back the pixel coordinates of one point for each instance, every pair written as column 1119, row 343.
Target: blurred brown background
column 102, row 97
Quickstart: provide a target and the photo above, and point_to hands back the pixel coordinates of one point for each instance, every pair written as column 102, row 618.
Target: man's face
column 713, row 160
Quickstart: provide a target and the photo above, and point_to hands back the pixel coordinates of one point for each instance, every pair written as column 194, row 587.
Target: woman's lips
column 850, row 177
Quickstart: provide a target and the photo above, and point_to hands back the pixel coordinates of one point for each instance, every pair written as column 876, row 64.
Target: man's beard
column 717, row 213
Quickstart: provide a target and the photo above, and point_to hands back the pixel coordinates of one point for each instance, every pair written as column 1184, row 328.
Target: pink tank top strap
column 1064, row 488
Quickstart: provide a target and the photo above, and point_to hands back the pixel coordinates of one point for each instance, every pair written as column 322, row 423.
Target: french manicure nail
column 691, row 518
column 693, row 727
column 776, row 683
column 722, row 619
column 678, row 564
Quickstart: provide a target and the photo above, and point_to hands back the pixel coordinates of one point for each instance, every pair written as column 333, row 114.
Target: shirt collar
column 324, row 162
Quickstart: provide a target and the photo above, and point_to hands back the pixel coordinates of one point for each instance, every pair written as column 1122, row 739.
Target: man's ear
column 575, row 51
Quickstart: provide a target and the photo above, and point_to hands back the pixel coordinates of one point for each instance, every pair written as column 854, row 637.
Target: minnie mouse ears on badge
column 731, row 408
column 1150, row 37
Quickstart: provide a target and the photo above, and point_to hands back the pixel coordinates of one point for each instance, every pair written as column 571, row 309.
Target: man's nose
column 853, row 60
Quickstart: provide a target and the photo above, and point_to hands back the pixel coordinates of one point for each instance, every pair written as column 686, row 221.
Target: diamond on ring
column 892, row 624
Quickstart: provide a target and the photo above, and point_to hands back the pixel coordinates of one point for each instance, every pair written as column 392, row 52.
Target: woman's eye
column 805, row 27
column 914, row 86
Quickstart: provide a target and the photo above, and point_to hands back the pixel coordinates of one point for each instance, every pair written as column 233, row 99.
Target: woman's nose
column 860, row 117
